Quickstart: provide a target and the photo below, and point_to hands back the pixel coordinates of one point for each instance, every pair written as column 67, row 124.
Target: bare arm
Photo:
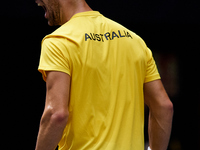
column 160, row 115
column 54, row 118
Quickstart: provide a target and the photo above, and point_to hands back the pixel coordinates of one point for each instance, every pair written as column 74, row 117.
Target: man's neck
column 69, row 9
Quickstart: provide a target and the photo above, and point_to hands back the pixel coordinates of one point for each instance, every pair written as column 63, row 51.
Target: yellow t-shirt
column 108, row 65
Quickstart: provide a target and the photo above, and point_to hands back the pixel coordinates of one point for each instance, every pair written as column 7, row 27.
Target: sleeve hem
column 152, row 78
column 44, row 69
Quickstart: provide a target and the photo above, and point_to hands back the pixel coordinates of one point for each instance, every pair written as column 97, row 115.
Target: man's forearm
column 50, row 133
column 160, row 124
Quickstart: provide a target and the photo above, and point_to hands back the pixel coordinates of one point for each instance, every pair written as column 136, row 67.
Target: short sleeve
column 151, row 69
column 52, row 57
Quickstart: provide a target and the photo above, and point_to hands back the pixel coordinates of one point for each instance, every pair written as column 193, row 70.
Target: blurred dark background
column 169, row 27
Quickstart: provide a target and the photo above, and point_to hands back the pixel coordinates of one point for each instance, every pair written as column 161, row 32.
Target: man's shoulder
column 63, row 32
column 113, row 24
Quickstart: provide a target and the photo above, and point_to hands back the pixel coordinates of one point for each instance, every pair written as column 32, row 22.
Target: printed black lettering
column 107, row 35
column 98, row 38
column 125, row 33
column 102, row 37
column 120, row 34
column 128, row 35
column 114, row 35
column 93, row 37
column 87, row 37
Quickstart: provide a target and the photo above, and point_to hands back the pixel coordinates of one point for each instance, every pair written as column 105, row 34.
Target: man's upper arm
column 54, row 56
column 58, row 88
column 155, row 95
column 151, row 70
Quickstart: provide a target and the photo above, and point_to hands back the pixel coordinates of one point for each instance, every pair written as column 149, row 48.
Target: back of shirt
column 108, row 65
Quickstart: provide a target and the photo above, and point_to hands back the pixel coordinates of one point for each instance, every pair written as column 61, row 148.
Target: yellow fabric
column 108, row 65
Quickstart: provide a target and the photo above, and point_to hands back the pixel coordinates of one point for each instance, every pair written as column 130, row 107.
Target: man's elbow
column 51, row 116
column 168, row 107
column 60, row 117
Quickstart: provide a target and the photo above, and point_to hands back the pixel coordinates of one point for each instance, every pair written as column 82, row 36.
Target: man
column 98, row 76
